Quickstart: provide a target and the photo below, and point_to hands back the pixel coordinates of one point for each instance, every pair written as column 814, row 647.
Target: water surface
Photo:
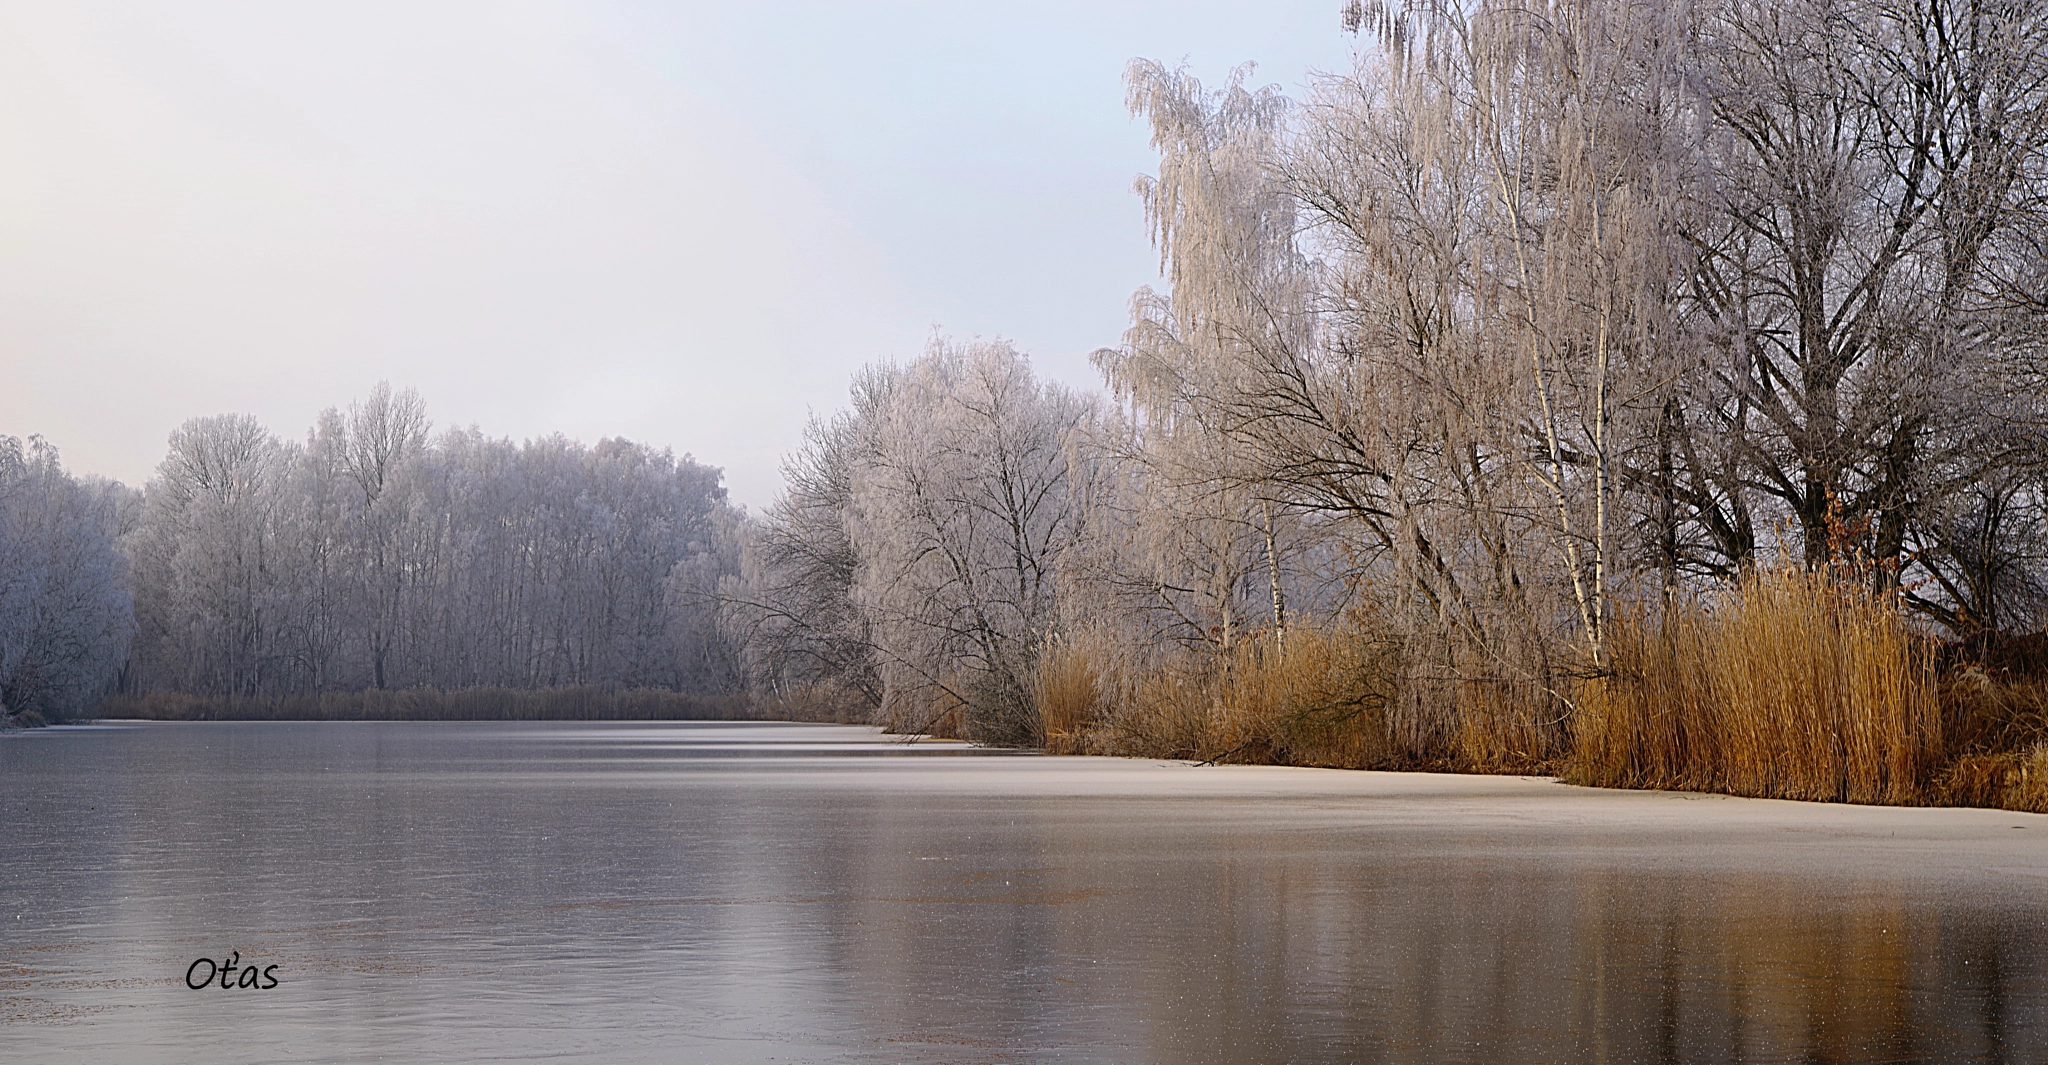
column 698, row 892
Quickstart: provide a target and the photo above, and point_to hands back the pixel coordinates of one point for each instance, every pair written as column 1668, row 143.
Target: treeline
column 1559, row 359
column 433, row 704
column 65, row 615
column 1649, row 393
column 372, row 556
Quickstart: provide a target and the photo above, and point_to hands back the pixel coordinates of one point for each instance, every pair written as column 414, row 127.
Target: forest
column 1648, row 394
column 254, row 576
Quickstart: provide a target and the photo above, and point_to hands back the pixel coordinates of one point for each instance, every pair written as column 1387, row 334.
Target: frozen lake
column 698, row 892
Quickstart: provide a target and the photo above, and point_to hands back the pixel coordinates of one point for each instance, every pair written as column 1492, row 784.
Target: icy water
column 787, row 893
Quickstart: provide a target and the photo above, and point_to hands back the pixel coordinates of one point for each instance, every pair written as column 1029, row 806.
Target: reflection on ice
column 737, row 893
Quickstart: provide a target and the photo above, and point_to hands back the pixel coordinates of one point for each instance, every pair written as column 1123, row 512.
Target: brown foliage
column 1796, row 686
column 2011, row 780
column 1317, row 698
column 1994, row 698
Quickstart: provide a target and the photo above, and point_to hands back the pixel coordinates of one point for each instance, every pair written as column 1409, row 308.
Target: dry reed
column 1067, row 691
column 1790, row 685
column 927, row 710
column 1315, row 698
column 1798, row 685
column 1996, row 721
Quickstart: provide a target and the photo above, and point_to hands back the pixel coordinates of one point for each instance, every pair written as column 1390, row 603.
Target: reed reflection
column 470, row 893
column 1060, row 931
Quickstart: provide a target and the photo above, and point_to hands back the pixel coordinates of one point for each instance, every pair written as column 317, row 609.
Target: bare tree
column 375, row 556
column 958, row 515
column 65, row 609
column 791, row 605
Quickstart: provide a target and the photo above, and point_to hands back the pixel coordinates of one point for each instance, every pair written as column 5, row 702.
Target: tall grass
column 1789, row 684
column 1466, row 717
column 1795, row 685
column 1996, row 723
column 928, row 710
column 1067, row 692
column 1314, row 697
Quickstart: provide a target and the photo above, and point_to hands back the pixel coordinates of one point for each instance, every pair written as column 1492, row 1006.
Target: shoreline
column 1416, row 774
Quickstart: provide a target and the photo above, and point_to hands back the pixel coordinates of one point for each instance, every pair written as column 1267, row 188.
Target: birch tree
column 1202, row 362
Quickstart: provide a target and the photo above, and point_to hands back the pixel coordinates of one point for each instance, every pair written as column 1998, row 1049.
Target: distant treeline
column 465, row 704
column 373, row 557
column 376, row 556
column 66, row 610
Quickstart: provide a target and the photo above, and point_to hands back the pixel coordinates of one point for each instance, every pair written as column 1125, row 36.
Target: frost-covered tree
column 1864, row 186
column 377, row 556
column 385, row 433
column 205, row 559
column 1195, row 471
column 915, row 559
column 1545, row 309
column 791, row 605
column 960, row 512
column 65, row 610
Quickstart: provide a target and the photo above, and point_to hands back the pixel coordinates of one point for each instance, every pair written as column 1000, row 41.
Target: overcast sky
column 678, row 223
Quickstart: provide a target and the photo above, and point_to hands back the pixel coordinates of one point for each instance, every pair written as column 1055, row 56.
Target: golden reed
column 1310, row 697
column 1797, row 685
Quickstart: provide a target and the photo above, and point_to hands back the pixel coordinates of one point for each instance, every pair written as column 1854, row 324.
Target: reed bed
column 928, row 710
column 1796, row 685
column 2011, row 780
column 1995, row 711
column 1310, row 697
column 1472, row 720
column 1792, row 684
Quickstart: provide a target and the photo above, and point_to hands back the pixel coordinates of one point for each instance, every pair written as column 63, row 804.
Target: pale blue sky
column 678, row 223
